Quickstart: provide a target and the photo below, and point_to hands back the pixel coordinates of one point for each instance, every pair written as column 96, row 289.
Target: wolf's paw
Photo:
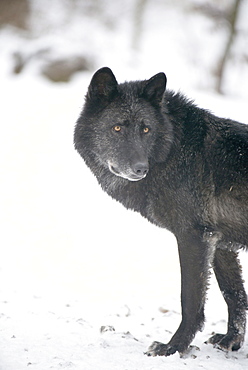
column 226, row 342
column 190, row 352
column 160, row 349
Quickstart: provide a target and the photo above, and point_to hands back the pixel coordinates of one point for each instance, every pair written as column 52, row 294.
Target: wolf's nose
column 140, row 169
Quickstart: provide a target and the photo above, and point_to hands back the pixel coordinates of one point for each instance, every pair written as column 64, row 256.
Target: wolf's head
column 122, row 125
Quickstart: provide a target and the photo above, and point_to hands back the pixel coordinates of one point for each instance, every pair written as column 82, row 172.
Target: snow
column 72, row 259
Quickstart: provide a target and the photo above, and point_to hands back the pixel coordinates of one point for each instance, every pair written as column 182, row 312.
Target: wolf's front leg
column 195, row 258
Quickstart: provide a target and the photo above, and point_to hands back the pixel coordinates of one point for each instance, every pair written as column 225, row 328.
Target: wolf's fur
column 183, row 169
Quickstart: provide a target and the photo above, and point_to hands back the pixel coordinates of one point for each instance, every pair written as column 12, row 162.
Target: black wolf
column 183, row 169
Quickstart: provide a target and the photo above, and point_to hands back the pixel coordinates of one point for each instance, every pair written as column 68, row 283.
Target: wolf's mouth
column 128, row 176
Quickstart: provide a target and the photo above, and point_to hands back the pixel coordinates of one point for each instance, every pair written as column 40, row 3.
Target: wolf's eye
column 117, row 128
column 146, row 130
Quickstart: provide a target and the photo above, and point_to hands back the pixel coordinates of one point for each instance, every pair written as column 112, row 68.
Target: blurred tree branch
column 138, row 20
column 227, row 16
column 233, row 17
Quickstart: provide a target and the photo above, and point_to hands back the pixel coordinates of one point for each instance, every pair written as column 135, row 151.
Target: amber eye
column 146, row 130
column 117, row 128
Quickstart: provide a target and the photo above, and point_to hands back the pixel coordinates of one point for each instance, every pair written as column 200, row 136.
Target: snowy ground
column 73, row 260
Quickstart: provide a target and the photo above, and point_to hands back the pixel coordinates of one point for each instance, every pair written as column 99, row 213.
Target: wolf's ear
column 155, row 87
column 103, row 84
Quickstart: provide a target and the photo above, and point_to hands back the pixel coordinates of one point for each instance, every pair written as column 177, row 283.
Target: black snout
column 141, row 169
